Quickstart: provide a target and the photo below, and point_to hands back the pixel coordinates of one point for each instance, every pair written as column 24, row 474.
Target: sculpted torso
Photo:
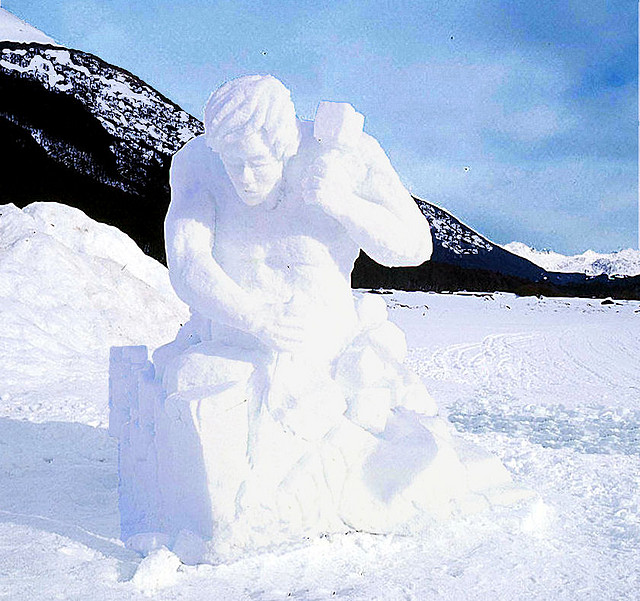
column 279, row 270
column 291, row 256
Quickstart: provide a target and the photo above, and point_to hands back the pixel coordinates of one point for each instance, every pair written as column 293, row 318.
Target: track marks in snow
column 590, row 430
column 571, row 365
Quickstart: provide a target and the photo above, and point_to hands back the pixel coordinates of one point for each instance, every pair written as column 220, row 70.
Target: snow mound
column 156, row 571
column 78, row 232
column 70, row 288
column 13, row 29
column 621, row 263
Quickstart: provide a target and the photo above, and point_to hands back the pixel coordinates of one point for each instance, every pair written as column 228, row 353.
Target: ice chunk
column 156, row 571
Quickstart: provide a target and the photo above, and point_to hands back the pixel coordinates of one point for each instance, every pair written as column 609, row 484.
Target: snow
column 548, row 386
column 70, row 288
column 337, row 123
column 282, row 411
column 37, row 63
column 59, row 522
column 156, row 571
column 83, row 235
column 452, row 234
column 624, row 262
column 13, row 29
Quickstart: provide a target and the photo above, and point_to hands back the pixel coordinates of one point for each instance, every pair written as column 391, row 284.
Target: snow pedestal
column 163, row 453
column 132, row 398
column 202, row 473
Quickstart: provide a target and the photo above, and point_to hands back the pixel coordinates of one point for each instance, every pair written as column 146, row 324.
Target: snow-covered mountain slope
column 103, row 144
column 112, row 155
column 134, row 113
column 465, row 260
column 462, row 259
column 457, row 243
column 549, row 385
column 70, row 288
column 13, row 29
column 623, row 262
column 141, row 120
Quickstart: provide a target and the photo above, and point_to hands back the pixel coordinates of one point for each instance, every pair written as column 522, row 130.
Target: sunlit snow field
column 549, row 385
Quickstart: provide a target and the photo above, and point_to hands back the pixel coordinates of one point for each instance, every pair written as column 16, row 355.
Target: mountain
column 621, row 263
column 465, row 260
column 16, row 30
column 85, row 133
column 77, row 130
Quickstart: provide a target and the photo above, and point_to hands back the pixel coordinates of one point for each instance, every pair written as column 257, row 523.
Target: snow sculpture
column 283, row 410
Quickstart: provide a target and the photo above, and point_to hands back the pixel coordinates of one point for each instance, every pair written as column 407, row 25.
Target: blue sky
column 519, row 116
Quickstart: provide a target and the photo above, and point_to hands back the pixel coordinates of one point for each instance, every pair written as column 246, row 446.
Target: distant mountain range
column 77, row 130
column 620, row 263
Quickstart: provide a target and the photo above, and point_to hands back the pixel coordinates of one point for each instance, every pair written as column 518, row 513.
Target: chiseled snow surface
column 623, row 262
column 550, row 386
column 14, row 29
column 301, row 406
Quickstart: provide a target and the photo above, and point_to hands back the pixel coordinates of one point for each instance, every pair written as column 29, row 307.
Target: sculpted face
column 256, row 174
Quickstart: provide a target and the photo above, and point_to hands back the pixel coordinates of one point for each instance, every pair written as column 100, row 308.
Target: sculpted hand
column 279, row 328
column 330, row 179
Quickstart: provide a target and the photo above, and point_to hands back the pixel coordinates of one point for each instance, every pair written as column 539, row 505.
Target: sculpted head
column 251, row 123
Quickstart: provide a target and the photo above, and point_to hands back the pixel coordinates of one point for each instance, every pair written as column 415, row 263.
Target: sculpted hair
column 255, row 104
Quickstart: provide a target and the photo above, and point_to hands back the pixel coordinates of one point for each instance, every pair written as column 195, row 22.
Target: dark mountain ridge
column 77, row 130
column 462, row 259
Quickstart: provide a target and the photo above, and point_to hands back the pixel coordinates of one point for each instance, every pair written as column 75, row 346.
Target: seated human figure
column 284, row 394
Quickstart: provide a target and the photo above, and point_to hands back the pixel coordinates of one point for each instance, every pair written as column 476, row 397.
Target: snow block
column 133, row 396
column 337, row 124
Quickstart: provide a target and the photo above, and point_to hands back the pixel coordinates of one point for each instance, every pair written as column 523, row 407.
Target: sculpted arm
column 363, row 192
column 189, row 233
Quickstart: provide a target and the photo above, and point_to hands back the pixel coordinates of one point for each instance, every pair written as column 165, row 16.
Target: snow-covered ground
column 551, row 386
column 623, row 262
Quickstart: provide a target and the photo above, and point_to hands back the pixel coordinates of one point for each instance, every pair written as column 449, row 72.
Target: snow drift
column 70, row 288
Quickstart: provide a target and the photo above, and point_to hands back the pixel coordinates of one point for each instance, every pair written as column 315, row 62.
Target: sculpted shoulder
column 195, row 161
